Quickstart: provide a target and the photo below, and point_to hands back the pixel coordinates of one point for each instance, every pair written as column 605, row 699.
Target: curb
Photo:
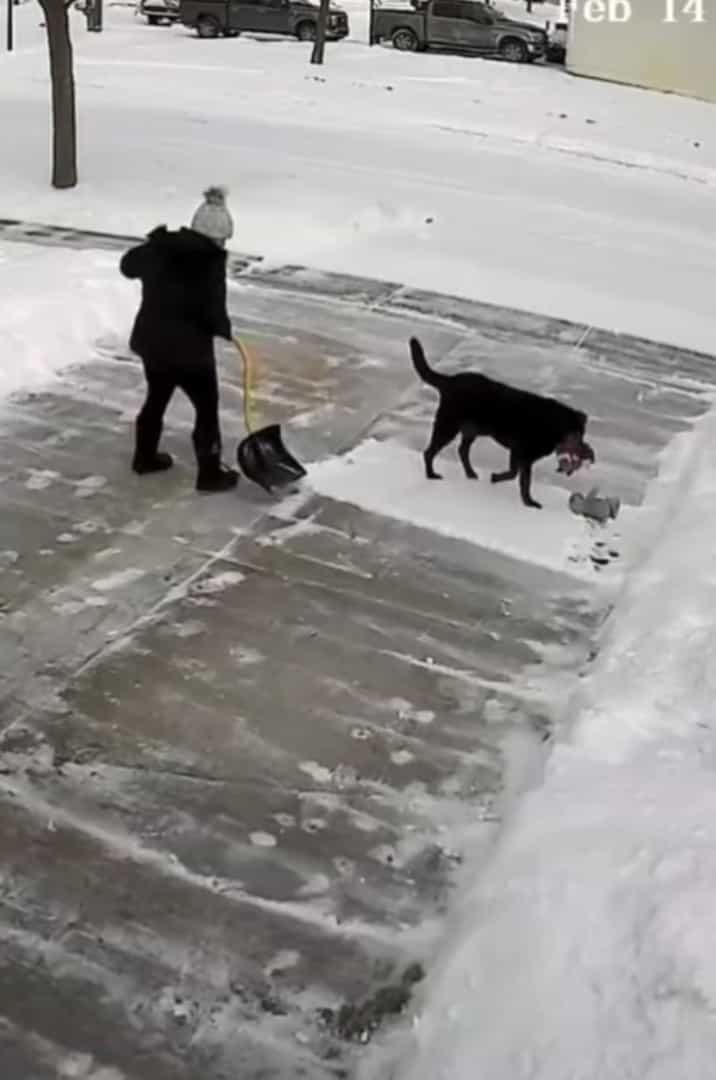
column 392, row 297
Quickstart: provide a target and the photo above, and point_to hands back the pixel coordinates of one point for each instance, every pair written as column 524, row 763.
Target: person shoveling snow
column 183, row 308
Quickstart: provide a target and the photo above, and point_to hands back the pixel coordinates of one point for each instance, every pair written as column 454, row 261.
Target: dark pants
column 200, row 385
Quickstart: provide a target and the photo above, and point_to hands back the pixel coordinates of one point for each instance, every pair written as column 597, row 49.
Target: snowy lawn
column 513, row 184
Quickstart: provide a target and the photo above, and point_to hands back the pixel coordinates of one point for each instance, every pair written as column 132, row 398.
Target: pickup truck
column 293, row 18
column 158, row 12
column 557, row 42
column 458, row 26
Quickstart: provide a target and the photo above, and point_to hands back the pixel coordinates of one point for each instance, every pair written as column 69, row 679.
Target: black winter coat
column 183, row 307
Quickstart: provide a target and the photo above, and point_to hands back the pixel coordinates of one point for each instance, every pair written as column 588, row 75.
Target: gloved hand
column 224, row 330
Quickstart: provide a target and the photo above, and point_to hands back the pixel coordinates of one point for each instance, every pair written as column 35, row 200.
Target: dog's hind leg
column 508, row 474
column 525, row 486
column 468, row 437
column 445, row 428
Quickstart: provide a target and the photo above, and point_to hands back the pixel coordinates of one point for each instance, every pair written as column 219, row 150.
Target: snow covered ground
column 56, row 304
column 584, row 949
column 387, row 478
column 518, row 185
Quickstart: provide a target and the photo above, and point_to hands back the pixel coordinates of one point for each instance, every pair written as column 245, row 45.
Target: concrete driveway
column 236, row 733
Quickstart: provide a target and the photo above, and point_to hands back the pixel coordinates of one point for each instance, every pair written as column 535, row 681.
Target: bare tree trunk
column 64, row 121
column 9, row 26
column 320, row 42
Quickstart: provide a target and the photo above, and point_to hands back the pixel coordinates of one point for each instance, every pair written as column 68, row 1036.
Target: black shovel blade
column 263, row 457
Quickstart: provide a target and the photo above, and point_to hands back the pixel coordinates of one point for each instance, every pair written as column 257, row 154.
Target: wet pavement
column 235, row 732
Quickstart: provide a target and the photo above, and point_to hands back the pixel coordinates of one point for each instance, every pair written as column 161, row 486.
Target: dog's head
column 573, row 451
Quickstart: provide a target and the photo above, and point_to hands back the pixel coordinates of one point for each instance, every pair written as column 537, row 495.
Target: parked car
column 294, row 18
column 459, row 26
column 159, row 12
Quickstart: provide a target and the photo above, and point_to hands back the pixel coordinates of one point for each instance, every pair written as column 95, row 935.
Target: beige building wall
column 645, row 50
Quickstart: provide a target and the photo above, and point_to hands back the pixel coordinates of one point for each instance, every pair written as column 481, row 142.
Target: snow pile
column 56, row 305
column 587, row 946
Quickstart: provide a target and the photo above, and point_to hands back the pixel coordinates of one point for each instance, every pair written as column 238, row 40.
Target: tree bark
column 64, row 120
column 9, row 26
column 320, row 42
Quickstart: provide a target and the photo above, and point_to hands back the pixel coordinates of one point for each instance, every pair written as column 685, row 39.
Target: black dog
column 528, row 425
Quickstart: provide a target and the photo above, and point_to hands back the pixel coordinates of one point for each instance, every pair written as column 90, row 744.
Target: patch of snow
column 216, row 583
column 285, row 821
column 317, row 885
column 282, row 961
column 74, row 607
column 388, row 478
column 291, row 531
column 118, row 579
column 89, row 486
column 39, row 479
column 84, row 1067
column 56, row 304
column 317, row 772
column 263, row 839
column 245, row 655
column 105, row 553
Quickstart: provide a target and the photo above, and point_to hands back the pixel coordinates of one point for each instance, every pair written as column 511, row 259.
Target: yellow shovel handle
column 248, row 380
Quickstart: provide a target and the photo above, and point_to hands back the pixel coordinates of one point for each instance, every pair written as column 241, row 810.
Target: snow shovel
column 261, row 455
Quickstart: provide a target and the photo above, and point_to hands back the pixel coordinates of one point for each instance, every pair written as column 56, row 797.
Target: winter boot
column 214, row 476
column 157, row 462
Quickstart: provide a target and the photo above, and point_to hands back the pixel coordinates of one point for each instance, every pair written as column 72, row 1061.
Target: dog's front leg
column 428, row 458
column 445, row 428
column 526, row 485
column 468, row 438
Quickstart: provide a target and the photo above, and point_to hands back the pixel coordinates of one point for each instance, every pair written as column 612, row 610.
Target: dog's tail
column 426, row 373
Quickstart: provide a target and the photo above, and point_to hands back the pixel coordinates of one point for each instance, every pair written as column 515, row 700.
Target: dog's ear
column 582, row 418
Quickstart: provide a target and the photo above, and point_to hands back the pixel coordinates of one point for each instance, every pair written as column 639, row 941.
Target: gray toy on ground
column 595, row 507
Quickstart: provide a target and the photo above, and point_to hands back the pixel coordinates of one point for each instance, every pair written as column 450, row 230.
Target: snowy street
column 503, row 183
column 258, row 756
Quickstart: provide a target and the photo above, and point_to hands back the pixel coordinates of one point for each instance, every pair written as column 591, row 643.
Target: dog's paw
column 434, row 476
column 533, row 504
column 472, row 475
